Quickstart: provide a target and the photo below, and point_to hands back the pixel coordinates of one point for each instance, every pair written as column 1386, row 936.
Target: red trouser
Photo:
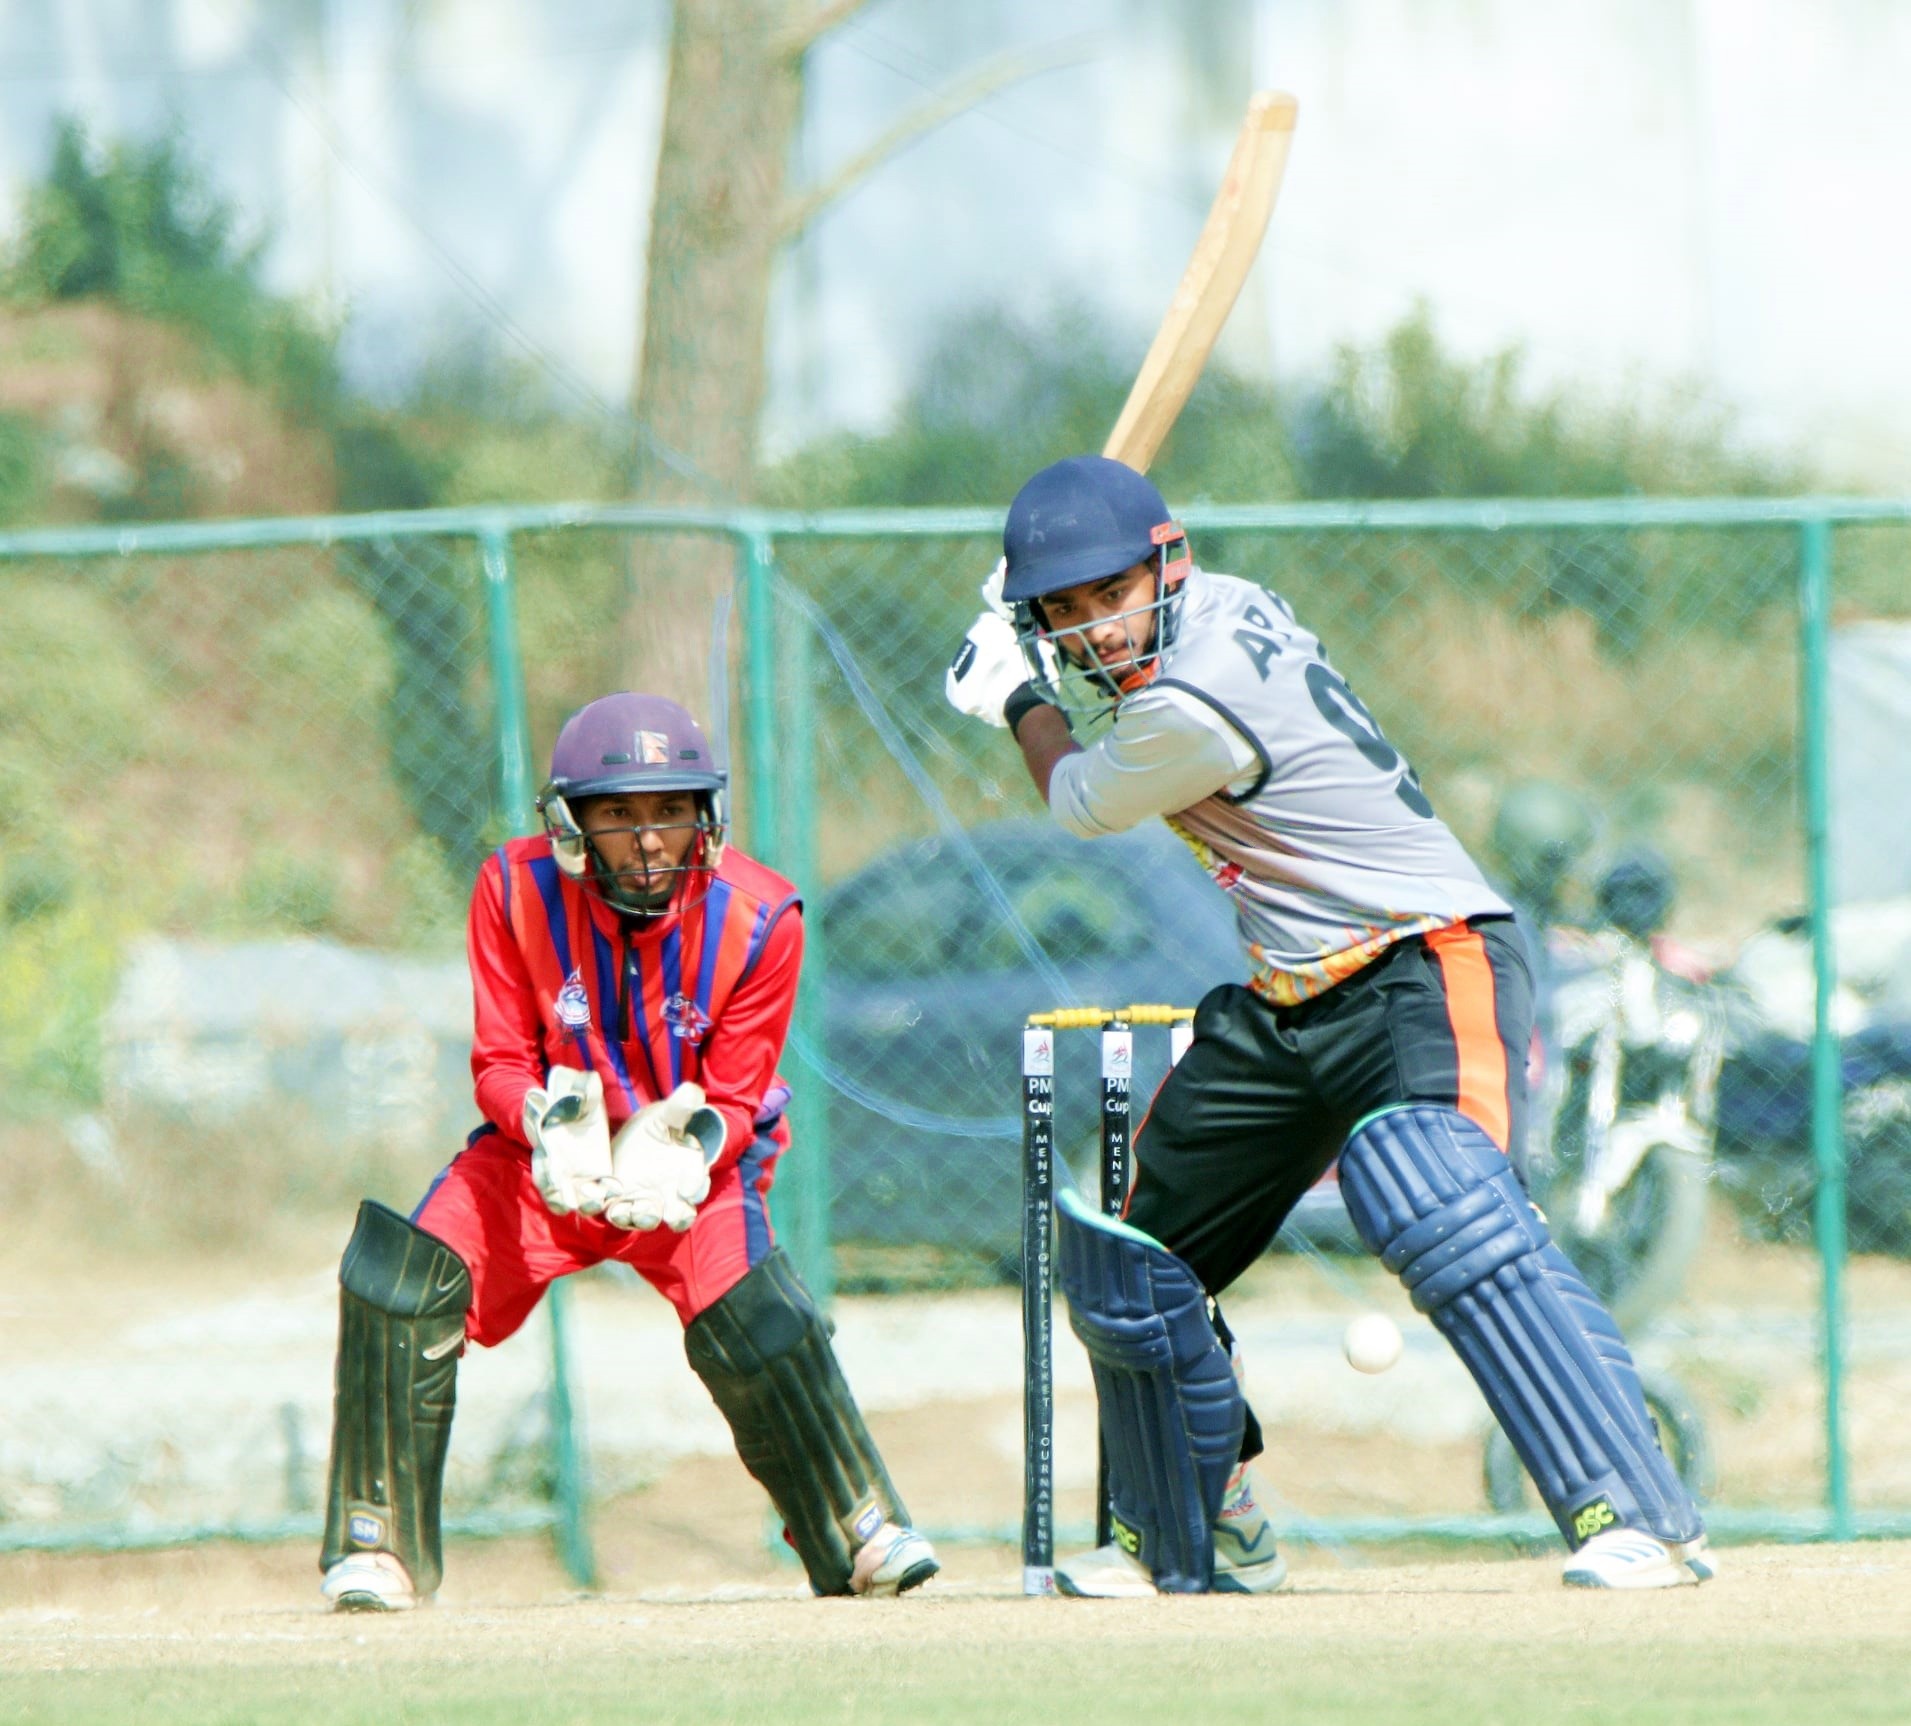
column 486, row 1208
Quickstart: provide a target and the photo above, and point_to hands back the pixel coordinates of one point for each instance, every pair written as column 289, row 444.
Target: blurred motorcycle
column 1628, row 1047
column 1631, row 1040
column 1765, row 1161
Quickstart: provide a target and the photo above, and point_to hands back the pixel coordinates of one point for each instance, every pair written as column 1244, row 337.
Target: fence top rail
column 1456, row 515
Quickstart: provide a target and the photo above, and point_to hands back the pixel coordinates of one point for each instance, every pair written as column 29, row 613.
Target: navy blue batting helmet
column 1079, row 520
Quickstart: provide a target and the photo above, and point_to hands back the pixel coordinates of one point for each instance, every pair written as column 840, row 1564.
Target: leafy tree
column 1407, row 419
column 997, row 397
column 136, row 224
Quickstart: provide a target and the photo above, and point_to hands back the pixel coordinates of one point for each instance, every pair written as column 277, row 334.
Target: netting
column 246, row 774
column 1637, row 686
column 243, row 793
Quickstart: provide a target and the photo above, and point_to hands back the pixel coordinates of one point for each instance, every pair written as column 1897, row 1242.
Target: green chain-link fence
column 247, row 770
column 1656, row 680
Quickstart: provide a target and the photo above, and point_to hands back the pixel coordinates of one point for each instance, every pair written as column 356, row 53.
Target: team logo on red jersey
column 573, row 1004
column 688, row 1022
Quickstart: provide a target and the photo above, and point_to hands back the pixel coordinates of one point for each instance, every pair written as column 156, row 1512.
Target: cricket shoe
column 1633, row 1558
column 1107, row 1573
column 369, row 1582
column 1245, row 1558
column 1700, row 1559
column 892, row 1561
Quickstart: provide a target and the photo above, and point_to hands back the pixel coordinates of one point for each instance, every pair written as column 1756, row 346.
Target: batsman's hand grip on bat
column 990, row 666
column 569, row 1135
column 660, row 1162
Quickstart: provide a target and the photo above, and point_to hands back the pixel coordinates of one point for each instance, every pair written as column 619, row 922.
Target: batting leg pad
column 1171, row 1409
column 764, row 1352
column 401, row 1317
column 1437, row 1200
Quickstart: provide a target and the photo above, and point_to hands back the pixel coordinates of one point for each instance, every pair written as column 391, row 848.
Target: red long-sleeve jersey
column 559, row 979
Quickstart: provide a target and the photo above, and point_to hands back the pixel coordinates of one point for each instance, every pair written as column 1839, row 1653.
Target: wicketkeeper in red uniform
column 633, row 980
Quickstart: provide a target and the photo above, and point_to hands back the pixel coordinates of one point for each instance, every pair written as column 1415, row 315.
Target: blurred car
column 929, row 980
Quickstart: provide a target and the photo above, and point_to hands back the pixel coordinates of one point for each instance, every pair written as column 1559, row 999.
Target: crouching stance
column 633, row 983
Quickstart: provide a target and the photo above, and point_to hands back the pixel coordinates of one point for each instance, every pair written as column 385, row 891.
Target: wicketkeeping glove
column 661, row 1162
column 989, row 666
column 570, row 1142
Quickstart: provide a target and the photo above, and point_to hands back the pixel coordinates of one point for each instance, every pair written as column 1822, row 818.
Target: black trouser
column 1264, row 1098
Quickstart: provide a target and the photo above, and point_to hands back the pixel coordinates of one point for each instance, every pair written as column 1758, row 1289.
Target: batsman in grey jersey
column 1266, row 763
column 1385, row 1022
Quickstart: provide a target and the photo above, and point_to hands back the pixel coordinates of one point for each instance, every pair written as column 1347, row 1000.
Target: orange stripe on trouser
column 1471, row 1010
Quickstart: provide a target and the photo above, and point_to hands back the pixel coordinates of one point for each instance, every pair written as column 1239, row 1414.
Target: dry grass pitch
column 699, row 1623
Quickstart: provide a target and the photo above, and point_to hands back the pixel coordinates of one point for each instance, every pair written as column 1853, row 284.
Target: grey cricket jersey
column 1254, row 750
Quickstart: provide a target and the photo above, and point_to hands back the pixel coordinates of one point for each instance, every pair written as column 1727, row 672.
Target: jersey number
column 1342, row 709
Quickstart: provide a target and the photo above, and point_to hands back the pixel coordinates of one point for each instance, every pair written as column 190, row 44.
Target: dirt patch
column 172, row 1389
column 220, row 1603
column 129, row 402
column 703, row 1618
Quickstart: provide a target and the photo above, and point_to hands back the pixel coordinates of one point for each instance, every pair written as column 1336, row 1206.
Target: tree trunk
column 732, row 107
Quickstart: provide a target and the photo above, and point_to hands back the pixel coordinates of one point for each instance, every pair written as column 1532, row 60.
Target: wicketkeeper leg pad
column 764, row 1352
column 1436, row 1199
column 1171, row 1410
column 401, row 1327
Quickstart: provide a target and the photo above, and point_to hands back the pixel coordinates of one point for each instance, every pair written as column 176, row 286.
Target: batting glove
column 989, row 666
column 661, row 1161
column 991, row 590
column 569, row 1135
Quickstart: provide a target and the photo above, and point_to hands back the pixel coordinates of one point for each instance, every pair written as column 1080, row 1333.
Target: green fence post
column 1827, row 1132
column 570, row 1479
column 760, row 759
column 809, row 1176
column 779, row 769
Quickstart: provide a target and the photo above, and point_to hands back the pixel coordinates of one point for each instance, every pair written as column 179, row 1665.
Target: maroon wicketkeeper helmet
column 635, row 743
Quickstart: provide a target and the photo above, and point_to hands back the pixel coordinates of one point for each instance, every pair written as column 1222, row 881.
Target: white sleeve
column 1166, row 751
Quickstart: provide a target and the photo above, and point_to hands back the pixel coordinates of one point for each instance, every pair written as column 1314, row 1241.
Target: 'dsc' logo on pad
column 1596, row 1517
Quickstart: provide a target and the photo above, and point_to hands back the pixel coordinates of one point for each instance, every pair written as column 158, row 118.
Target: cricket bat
column 1222, row 257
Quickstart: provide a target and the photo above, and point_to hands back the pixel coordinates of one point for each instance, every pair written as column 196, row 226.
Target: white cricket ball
column 1372, row 1342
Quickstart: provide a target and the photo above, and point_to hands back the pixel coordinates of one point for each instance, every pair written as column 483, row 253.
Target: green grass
column 1418, row 1679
